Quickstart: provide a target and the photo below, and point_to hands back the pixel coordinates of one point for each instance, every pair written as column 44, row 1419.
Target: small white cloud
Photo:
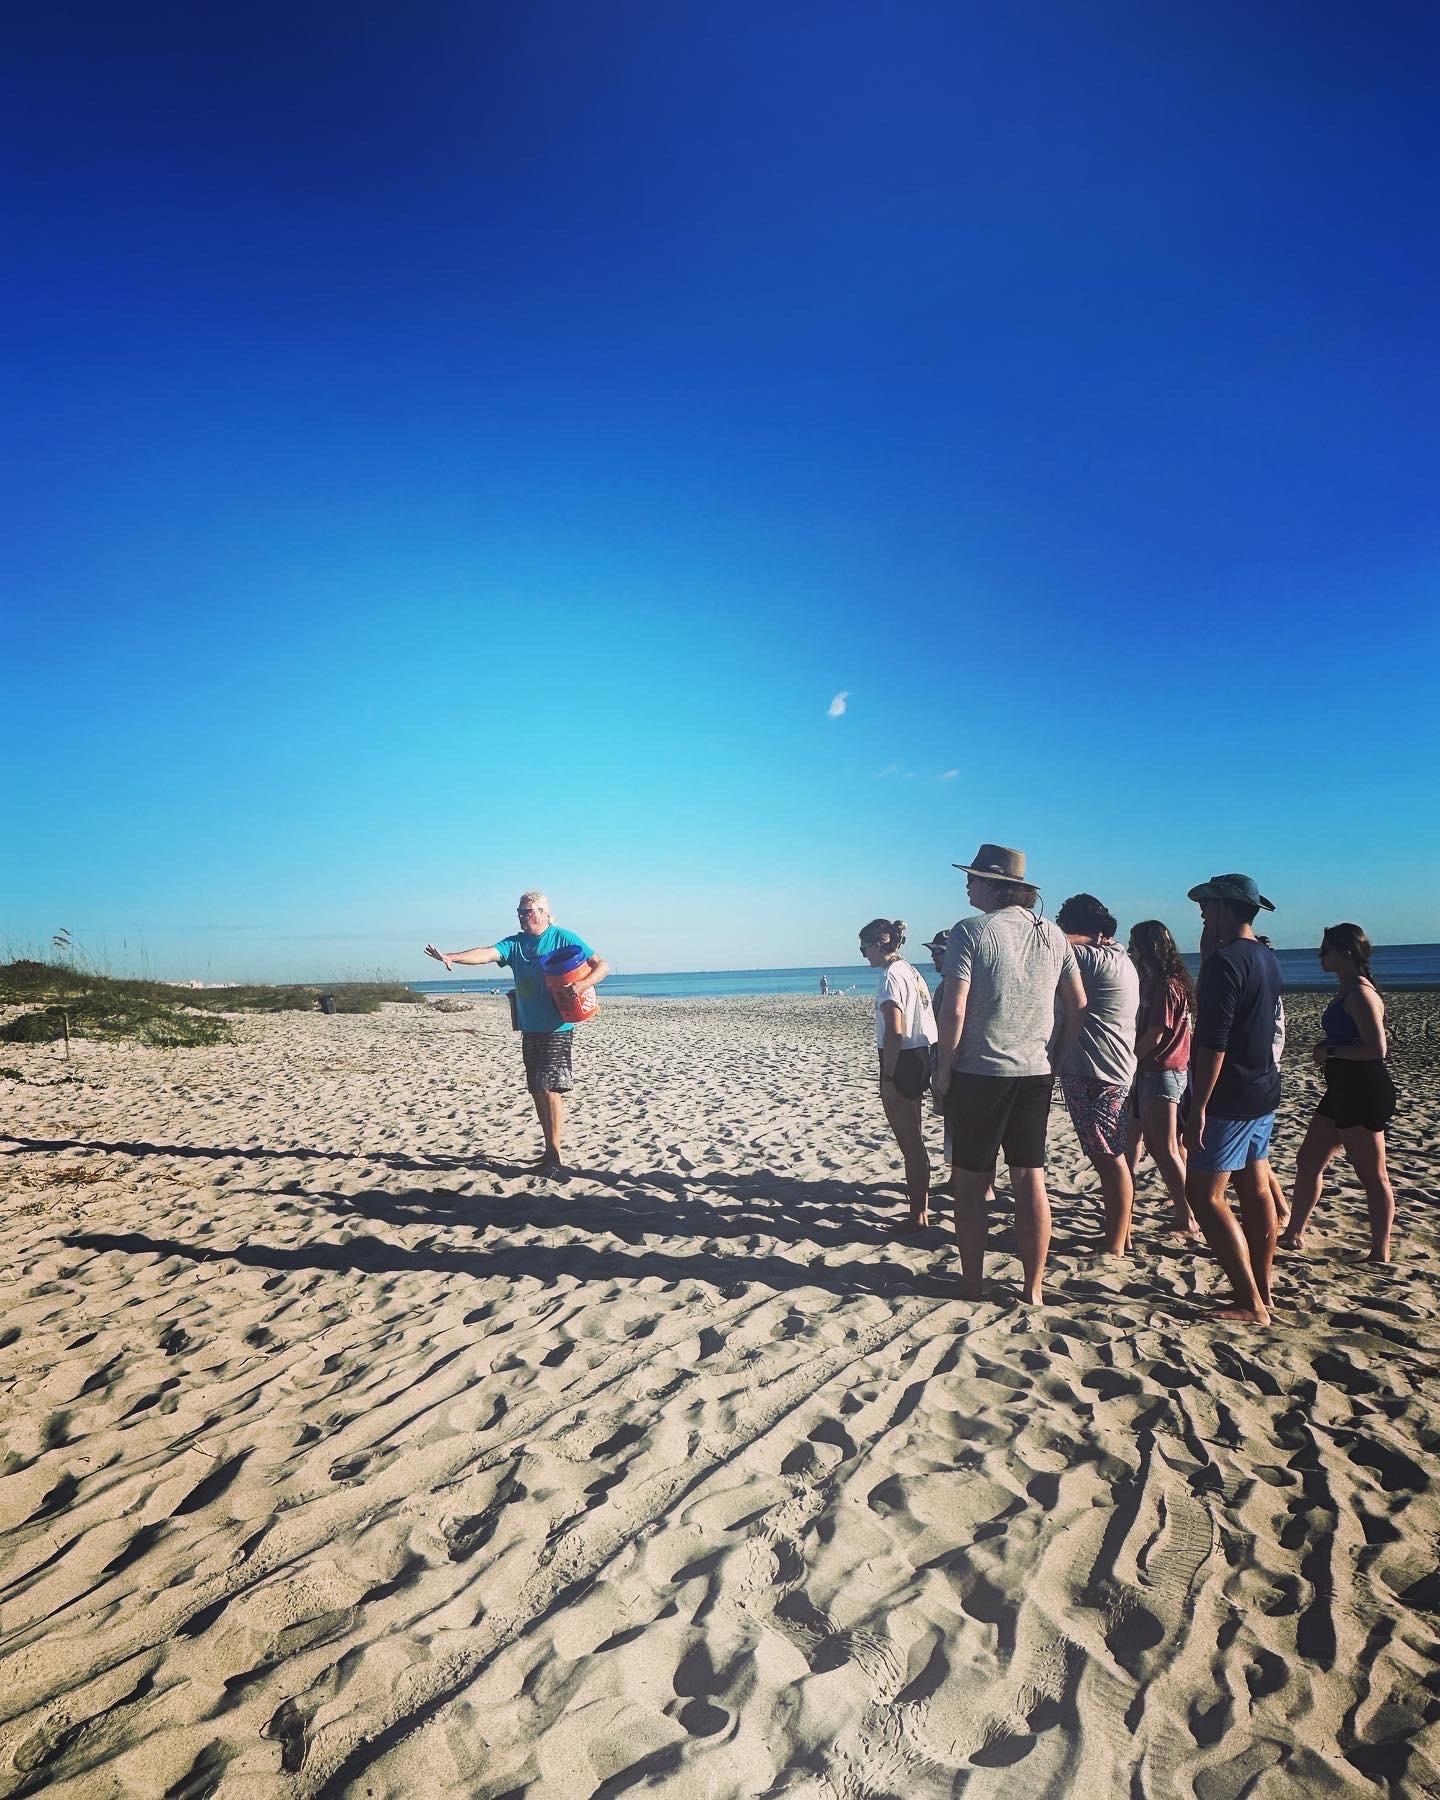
column 836, row 708
column 888, row 770
column 949, row 774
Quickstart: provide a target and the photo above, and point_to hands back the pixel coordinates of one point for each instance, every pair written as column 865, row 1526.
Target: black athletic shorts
column 988, row 1114
column 547, row 1061
column 1357, row 1093
column 912, row 1073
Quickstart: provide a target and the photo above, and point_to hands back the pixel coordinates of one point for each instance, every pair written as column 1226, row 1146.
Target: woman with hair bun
column 904, row 1032
column 1359, row 1098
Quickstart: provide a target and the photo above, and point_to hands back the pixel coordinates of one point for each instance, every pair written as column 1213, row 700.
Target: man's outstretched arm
column 482, row 953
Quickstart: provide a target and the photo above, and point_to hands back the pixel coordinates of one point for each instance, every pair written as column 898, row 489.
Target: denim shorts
column 1230, row 1144
column 1160, row 1084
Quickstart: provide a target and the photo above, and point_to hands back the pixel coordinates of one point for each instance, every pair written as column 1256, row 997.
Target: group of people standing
column 1144, row 1061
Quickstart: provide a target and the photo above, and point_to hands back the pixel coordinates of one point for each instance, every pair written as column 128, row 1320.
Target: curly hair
column 1152, row 949
column 1083, row 913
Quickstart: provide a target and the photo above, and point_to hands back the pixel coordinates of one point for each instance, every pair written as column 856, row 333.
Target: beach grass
column 113, row 1016
column 61, row 995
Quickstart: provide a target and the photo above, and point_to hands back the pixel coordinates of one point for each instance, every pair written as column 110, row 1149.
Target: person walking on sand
column 546, row 1040
column 1005, row 970
column 1162, row 1051
column 1235, row 1089
column 1359, row 1098
column 1096, row 1075
column 904, row 1032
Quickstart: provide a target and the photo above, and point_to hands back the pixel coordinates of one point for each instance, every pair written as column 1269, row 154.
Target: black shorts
column 547, row 1061
column 1357, row 1093
column 912, row 1073
column 990, row 1113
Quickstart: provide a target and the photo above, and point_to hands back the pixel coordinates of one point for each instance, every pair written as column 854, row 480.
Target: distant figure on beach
column 546, row 1040
column 824, row 986
column 1005, row 968
column 1162, row 1052
column 904, row 1032
column 1359, row 1098
column 1235, row 1089
column 1097, row 1073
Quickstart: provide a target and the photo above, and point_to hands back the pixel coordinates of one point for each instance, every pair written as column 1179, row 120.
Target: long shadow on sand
column 577, row 1261
column 828, row 1213
column 391, row 1159
column 821, row 1211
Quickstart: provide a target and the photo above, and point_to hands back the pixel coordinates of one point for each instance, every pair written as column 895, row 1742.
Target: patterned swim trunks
column 547, row 1061
column 1100, row 1113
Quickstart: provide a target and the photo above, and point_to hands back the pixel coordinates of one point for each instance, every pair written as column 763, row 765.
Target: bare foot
column 1031, row 1297
column 914, row 1222
column 549, row 1164
column 1379, row 1256
column 1241, row 1315
column 1290, row 1241
column 975, row 1292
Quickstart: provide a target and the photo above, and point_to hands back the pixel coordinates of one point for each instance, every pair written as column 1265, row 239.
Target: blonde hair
column 535, row 897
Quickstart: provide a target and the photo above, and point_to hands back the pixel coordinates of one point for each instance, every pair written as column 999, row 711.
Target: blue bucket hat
column 1241, row 889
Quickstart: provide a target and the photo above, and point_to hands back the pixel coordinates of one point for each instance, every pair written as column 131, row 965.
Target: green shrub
column 30, row 983
column 117, row 1016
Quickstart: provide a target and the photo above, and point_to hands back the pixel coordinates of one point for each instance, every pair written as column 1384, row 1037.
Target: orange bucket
column 563, row 968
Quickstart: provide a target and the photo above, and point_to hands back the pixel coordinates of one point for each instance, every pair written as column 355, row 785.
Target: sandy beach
column 341, row 1458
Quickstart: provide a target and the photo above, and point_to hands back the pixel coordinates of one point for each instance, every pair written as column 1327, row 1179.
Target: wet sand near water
column 341, row 1458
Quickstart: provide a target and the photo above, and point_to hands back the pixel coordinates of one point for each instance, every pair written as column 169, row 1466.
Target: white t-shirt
column 901, row 985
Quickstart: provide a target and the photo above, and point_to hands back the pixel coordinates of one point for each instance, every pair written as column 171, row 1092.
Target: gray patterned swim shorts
column 547, row 1061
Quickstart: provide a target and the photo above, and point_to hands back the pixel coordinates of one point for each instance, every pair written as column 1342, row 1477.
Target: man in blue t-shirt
column 1234, row 1090
column 546, row 1038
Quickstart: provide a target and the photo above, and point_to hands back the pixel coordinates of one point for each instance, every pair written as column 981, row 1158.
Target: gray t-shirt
column 1105, row 1049
column 1013, row 962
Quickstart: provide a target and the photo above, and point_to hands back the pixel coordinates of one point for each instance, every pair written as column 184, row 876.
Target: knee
column 1200, row 1194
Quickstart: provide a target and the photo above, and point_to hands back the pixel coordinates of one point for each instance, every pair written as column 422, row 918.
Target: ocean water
column 1396, row 965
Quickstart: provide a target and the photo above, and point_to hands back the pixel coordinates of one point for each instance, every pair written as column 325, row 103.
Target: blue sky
column 462, row 447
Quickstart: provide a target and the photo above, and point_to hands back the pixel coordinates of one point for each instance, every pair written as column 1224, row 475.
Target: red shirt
column 1164, row 1005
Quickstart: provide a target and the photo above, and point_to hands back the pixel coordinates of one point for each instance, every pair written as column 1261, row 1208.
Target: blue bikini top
column 1339, row 1028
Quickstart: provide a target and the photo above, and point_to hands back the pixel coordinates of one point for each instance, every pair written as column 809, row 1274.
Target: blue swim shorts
column 1231, row 1144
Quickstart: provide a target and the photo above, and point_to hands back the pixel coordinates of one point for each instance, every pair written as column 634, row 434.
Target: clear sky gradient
column 459, row 447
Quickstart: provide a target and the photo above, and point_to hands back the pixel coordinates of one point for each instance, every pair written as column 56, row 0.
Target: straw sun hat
column 996, row 863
